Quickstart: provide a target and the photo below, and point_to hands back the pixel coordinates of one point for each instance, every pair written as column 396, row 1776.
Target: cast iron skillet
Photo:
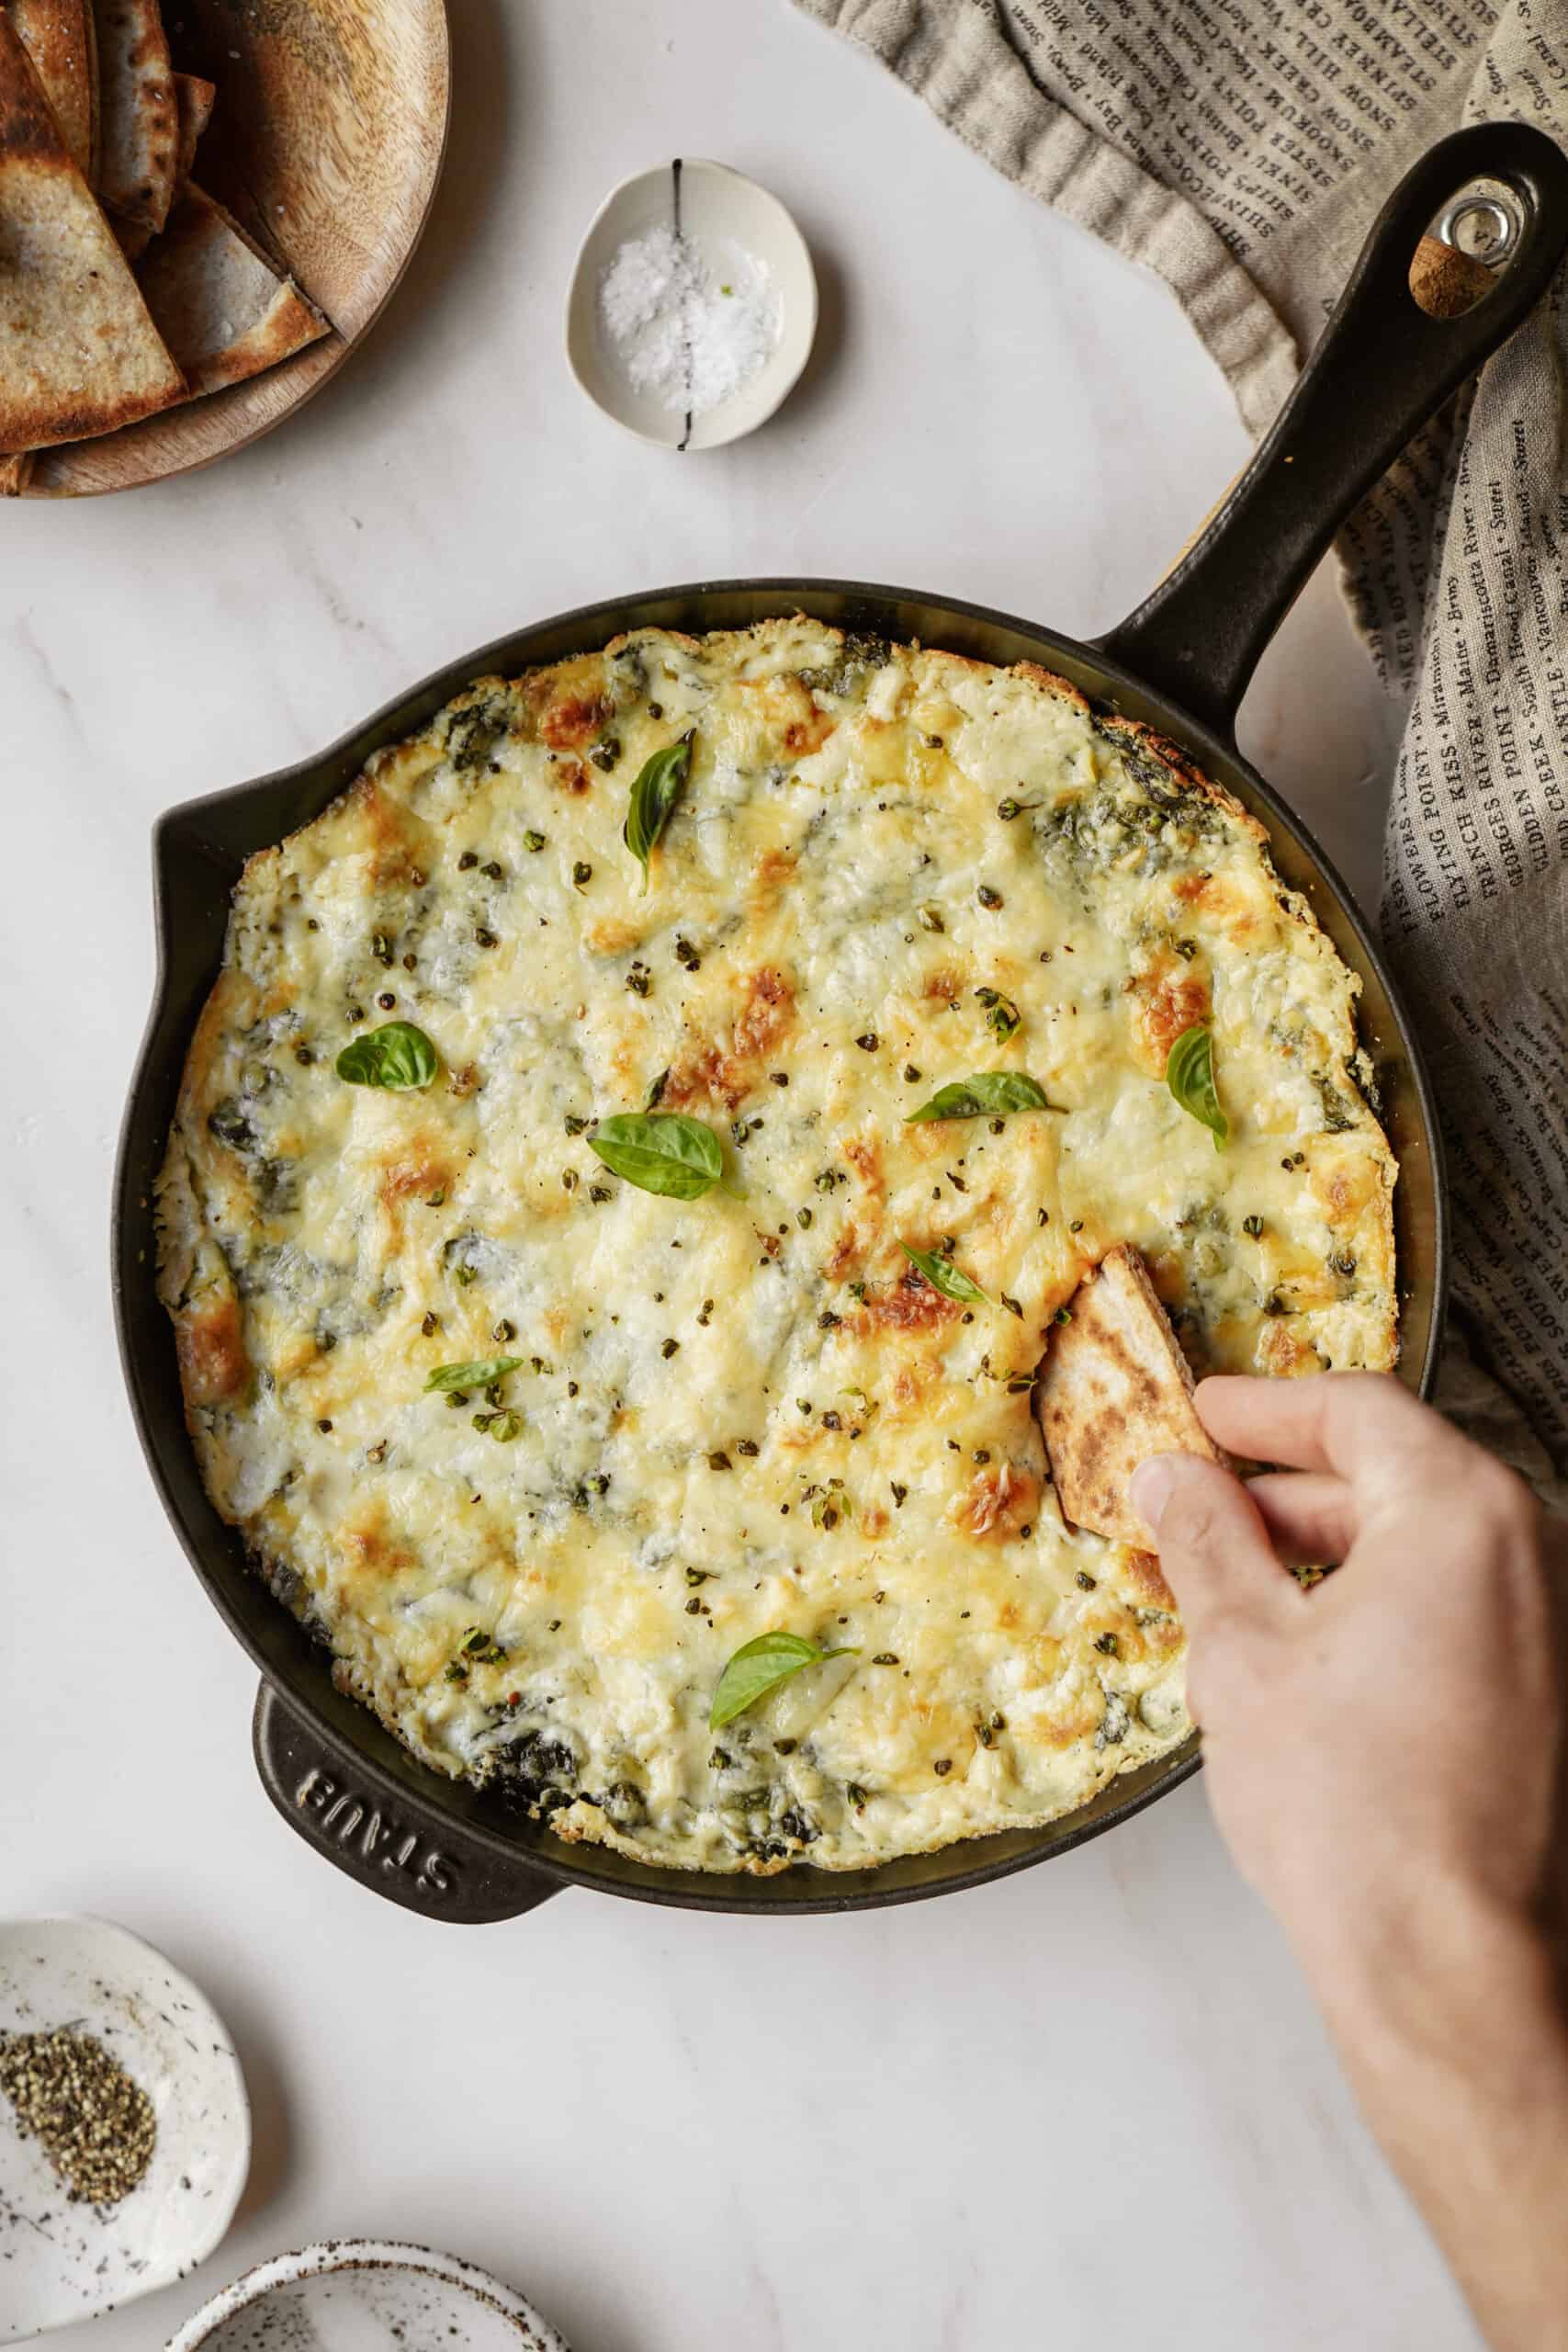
column 1181, row 661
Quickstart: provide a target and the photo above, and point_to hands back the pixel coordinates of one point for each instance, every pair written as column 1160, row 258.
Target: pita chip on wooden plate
column 225, row 310
column 194, row 102
column 1115, row 1388
column 79, row 353
column 58, row 36
column 139, row 117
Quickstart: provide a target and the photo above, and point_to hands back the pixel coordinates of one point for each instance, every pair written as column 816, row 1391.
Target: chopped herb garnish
column 950, row 1280
column 1003, row 1016
column 657, row 788
column 477, row 1375
column 1189, row 1074
column 760, row 1665
column 988, row 1091
column 664, row 1152
column 397, row 1057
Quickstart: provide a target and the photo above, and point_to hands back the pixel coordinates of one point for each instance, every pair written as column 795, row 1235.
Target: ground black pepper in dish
column 95, row 2125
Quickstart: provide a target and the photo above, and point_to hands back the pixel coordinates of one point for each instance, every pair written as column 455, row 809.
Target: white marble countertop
column 1089, row 2105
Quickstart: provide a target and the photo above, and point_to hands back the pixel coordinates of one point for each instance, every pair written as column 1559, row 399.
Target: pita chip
column 57, row 37
column 139, row 124
column 1115, row 1389
column 193, row 101
column 78, row 353
column 194, row 98
column 225, row 310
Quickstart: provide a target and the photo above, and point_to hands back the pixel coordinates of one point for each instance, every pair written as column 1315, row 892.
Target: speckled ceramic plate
column 367, row 2295
column 61, row 2262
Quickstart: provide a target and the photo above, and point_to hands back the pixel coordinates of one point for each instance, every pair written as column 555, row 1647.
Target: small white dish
column 367, row 2295
column 63, row 2262
column 719, row 210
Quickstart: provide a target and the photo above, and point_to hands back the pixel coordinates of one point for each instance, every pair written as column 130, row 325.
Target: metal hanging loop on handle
column 1505, row 225
column 1382, row 368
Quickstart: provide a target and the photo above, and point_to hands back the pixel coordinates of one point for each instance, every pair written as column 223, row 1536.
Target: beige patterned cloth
column 1240, row 148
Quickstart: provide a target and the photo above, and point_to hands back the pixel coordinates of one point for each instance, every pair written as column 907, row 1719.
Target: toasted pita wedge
column 57, row 37
column 139, row 122
column 194, row 99
column 224, row 309
column 13, row 472
column 78, row 353
column 1115, row 1389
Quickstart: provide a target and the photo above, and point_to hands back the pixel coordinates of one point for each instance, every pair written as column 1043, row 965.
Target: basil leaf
column 760, row 1667
column 990, row 1093
column 1189, row 1074
column 656, row 790
column 477, row 1375
column 661, row 1152
column 398, row 1056
column 952, row 1280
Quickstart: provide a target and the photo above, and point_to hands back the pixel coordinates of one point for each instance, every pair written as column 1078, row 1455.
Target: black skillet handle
column 402, row 1851
column 1380, row 371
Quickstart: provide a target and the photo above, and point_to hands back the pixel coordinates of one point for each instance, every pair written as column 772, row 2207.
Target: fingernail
column 1150, row 1488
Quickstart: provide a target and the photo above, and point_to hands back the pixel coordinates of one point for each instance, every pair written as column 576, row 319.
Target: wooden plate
column 326, row 141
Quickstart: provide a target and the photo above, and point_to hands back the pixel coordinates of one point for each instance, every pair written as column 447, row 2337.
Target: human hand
column 1381, row 1758
column 1382, row 1745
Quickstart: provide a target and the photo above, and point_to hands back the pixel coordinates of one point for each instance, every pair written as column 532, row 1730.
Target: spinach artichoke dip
column 624, row 1179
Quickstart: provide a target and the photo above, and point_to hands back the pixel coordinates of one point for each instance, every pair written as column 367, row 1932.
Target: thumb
column 1214, row 1550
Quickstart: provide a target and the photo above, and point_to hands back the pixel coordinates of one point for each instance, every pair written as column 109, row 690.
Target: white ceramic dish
column 367, row 2295
column 719, row 210
column 58, row 2261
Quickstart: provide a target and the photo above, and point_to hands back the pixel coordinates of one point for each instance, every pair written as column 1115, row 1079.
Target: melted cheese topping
column 749, row 1412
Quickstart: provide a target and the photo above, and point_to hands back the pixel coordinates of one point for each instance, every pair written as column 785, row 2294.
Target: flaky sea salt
column 691, row 329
